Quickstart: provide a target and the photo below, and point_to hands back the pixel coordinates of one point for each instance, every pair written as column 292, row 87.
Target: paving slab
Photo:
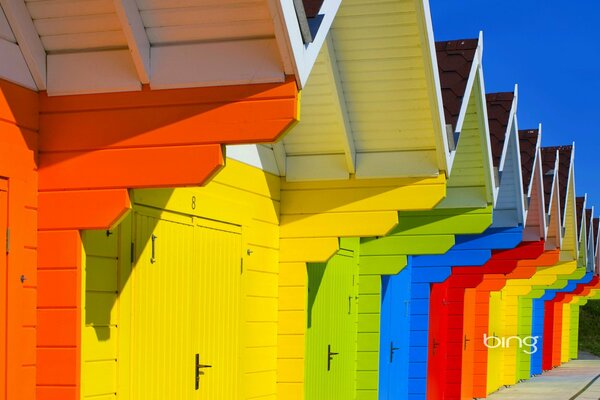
column 575, row 380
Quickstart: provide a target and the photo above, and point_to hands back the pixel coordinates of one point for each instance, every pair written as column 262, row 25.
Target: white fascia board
column 541, row 199
column 13, row 67
column 513, row 137
column 28, row 39
column 555, row 203
column 302, row 56
column 137, row 40
column 444, row 156
column 5, row 30
column 493, row 188
column 512, row 123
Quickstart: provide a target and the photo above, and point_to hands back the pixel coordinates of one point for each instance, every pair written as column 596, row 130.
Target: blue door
column 393, row 354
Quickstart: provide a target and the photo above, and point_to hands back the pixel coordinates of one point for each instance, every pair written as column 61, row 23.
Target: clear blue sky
column 551, row 49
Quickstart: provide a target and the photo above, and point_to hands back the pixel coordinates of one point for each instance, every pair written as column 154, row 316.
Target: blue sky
column 551, row 49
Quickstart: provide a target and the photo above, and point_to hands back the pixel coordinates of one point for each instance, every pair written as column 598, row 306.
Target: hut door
column 3, row 282
column 332, row 326
column 185, row 308
column 393, row 353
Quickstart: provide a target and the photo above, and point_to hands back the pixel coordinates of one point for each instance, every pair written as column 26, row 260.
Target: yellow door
column 185, row 308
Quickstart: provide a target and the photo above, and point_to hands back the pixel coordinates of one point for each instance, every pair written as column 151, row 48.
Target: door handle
column 392, row 350
column 198, row 368
column 153, row 257
column 435, row 346
column 465, row 342
column 330, row 356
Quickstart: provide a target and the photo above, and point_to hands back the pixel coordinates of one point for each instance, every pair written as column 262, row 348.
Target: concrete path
column 576, row 380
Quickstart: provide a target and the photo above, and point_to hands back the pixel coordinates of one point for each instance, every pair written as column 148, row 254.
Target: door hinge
column 7, row 240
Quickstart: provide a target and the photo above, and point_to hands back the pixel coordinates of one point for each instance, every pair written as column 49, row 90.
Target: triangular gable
column 533, row 186
column 590, row 248
column 471, row 182
column 549, row 157
column 510, row 209
column 567, row 200
column 581, row 228
column 371, row 108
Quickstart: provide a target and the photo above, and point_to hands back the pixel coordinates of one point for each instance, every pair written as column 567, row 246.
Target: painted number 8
column 193, row 202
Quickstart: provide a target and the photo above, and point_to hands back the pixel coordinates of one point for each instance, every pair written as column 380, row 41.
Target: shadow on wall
column 105, row 251
column 315, row 272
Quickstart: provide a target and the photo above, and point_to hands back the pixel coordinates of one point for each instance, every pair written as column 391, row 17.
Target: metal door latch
column 153, row 257
column 465, row 342
column 330, row 356
column 23, row 278
column 392, row 350
column 198, row 368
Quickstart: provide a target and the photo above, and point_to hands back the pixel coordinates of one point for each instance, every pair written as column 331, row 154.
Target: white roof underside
column 166, row 43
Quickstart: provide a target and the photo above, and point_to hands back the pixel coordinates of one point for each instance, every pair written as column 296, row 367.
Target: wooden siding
column 509, row 204
column 18, row 167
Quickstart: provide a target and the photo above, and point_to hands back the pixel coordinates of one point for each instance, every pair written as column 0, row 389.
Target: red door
column 3, row 281
column 438, row 341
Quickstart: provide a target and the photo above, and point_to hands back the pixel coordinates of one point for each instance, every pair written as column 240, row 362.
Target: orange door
column 3, row 280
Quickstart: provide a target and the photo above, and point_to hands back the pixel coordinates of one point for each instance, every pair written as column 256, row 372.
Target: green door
column 330, row 367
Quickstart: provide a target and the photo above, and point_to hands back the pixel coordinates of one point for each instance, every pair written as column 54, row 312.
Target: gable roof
column 499, row 106
column 528, row 143
column 455, row 60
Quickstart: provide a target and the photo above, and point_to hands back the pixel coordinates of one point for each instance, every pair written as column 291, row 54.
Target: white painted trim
column 283, row 44
column 511, row 117
column 340, row 104
column 257, row 155
column 93, row 72
column 445, row 158
column 539, row 171
column 13, row 67
column 324, row 167
column 491, row 182
column 133, row 27
column 303, row 55
column 215, row 64
column 28, row 39
column 468, row 91
column 5, row 31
